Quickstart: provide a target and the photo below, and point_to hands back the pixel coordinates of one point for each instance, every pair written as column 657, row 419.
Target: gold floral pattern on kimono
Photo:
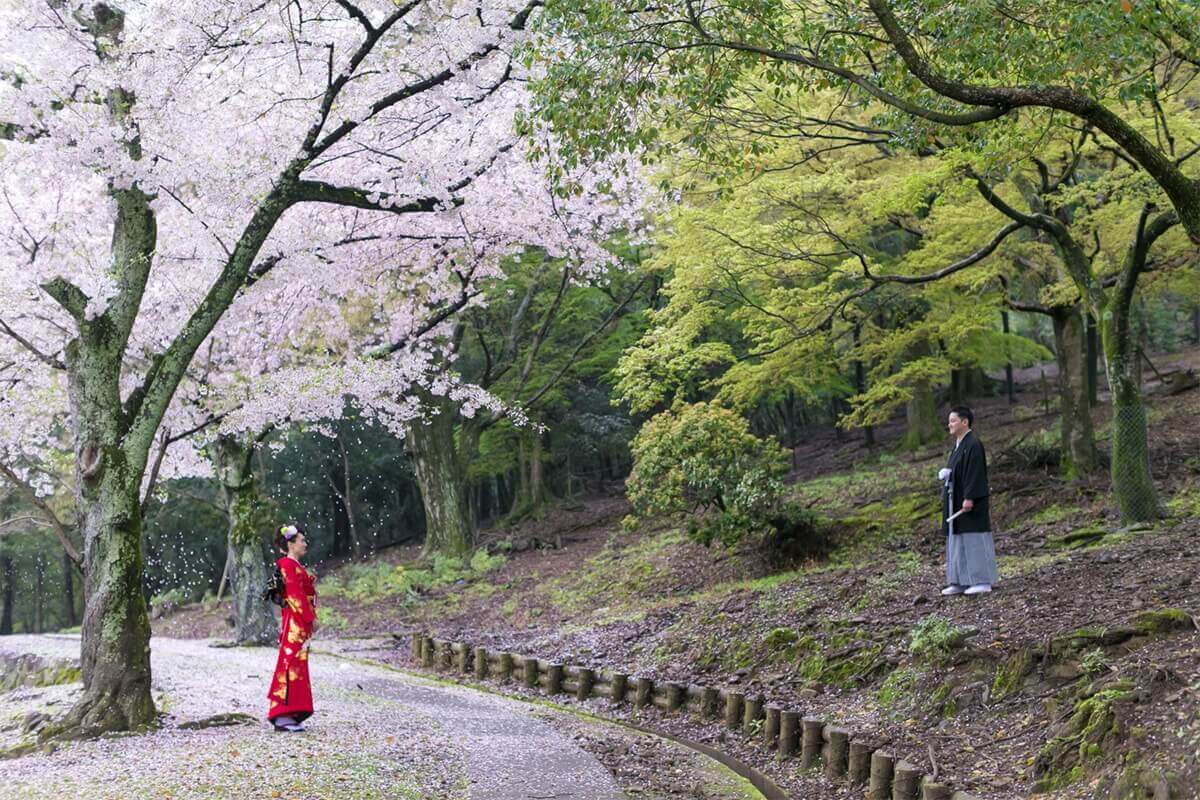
column 296, row 634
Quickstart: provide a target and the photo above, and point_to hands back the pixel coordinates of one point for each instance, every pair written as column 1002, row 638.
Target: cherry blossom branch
column 315, row 148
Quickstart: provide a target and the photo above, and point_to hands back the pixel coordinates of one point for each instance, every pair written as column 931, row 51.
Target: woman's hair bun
column 286, row 533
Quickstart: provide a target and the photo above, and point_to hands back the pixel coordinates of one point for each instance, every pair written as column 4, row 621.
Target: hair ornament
column 288, row 532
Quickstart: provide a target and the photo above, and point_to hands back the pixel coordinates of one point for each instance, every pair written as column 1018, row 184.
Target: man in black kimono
column 970, row 551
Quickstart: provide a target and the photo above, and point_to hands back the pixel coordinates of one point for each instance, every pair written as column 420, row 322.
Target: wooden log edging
column 834, row 748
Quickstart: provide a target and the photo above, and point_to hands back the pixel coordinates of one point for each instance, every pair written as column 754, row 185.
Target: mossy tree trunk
column 441, row 474
column 249, row 525
column 110, row 460
column 1078, row 438
column 1132, row 483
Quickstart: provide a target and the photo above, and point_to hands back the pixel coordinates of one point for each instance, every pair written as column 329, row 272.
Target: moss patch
column 1092, row 728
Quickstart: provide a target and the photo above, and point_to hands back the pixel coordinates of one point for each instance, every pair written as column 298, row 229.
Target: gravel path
column 376, row 734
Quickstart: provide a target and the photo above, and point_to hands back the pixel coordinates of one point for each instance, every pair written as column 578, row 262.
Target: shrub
column 704, row 458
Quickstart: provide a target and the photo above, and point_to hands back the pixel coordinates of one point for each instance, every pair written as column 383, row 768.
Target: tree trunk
column 248, row 515
column 537, row 486
column 115, row 651
column 345, row 494
column 1132, row 482
column 1008, row 367
column 1093, row 362
column 109, row 464
column 68, row 574
column 521, row 496
column 921, row 416
column 1195, row 324
column 449, row 528
column 39, row 596
column 6, row 600
column 956, row 387
column 1078, row 440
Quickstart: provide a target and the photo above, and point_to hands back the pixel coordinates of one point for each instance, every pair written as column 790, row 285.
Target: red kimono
column 291, row 692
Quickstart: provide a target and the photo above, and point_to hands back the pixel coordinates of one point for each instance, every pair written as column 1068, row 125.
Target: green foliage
column 1094, row 662
column 934, row 638
column 331, row 619
column 702, row 457
column 172, row 598
column 380, row 580
column 895, row 695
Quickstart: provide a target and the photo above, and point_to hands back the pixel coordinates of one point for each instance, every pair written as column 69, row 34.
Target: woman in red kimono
column 291, row 692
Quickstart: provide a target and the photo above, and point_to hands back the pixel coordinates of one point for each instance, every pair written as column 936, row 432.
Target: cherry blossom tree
column 171, row 172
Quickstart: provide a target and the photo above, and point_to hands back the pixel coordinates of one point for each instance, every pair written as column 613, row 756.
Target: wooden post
column 446, row 656
column 417, row 638
column 771, row 727
column 934, row 791
column 811, row 741
column 644, row 693
column 506, row 666
column 906, row 782
column 676, row 696
column 427, row 652
column 837, row 753
column 709, row 700
column 461, row 652
column 734, row 701
column 619, row 682
column 754, row 712
column 531, row 672
column 481, row 663
column 789, row 734
column 883, row 765
column 554, row 678
column 587, row 679
column 860, row 763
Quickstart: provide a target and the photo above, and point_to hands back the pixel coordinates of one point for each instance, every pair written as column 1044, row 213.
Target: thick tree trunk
column 449, row 528
column 248, row 515
column 1078, row 440
column 8, row 575
column 1132, row 482
column 115, row 652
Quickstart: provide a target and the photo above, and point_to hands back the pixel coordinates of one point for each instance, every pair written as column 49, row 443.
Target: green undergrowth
column 369, row 582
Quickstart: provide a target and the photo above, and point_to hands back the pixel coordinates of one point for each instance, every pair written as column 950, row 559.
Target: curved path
column 377, row 733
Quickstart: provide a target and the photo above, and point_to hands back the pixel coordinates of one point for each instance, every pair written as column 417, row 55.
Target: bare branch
column 49, row 360
column 60, row 531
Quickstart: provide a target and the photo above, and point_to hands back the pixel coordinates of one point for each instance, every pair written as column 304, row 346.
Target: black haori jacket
column 968, row 480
